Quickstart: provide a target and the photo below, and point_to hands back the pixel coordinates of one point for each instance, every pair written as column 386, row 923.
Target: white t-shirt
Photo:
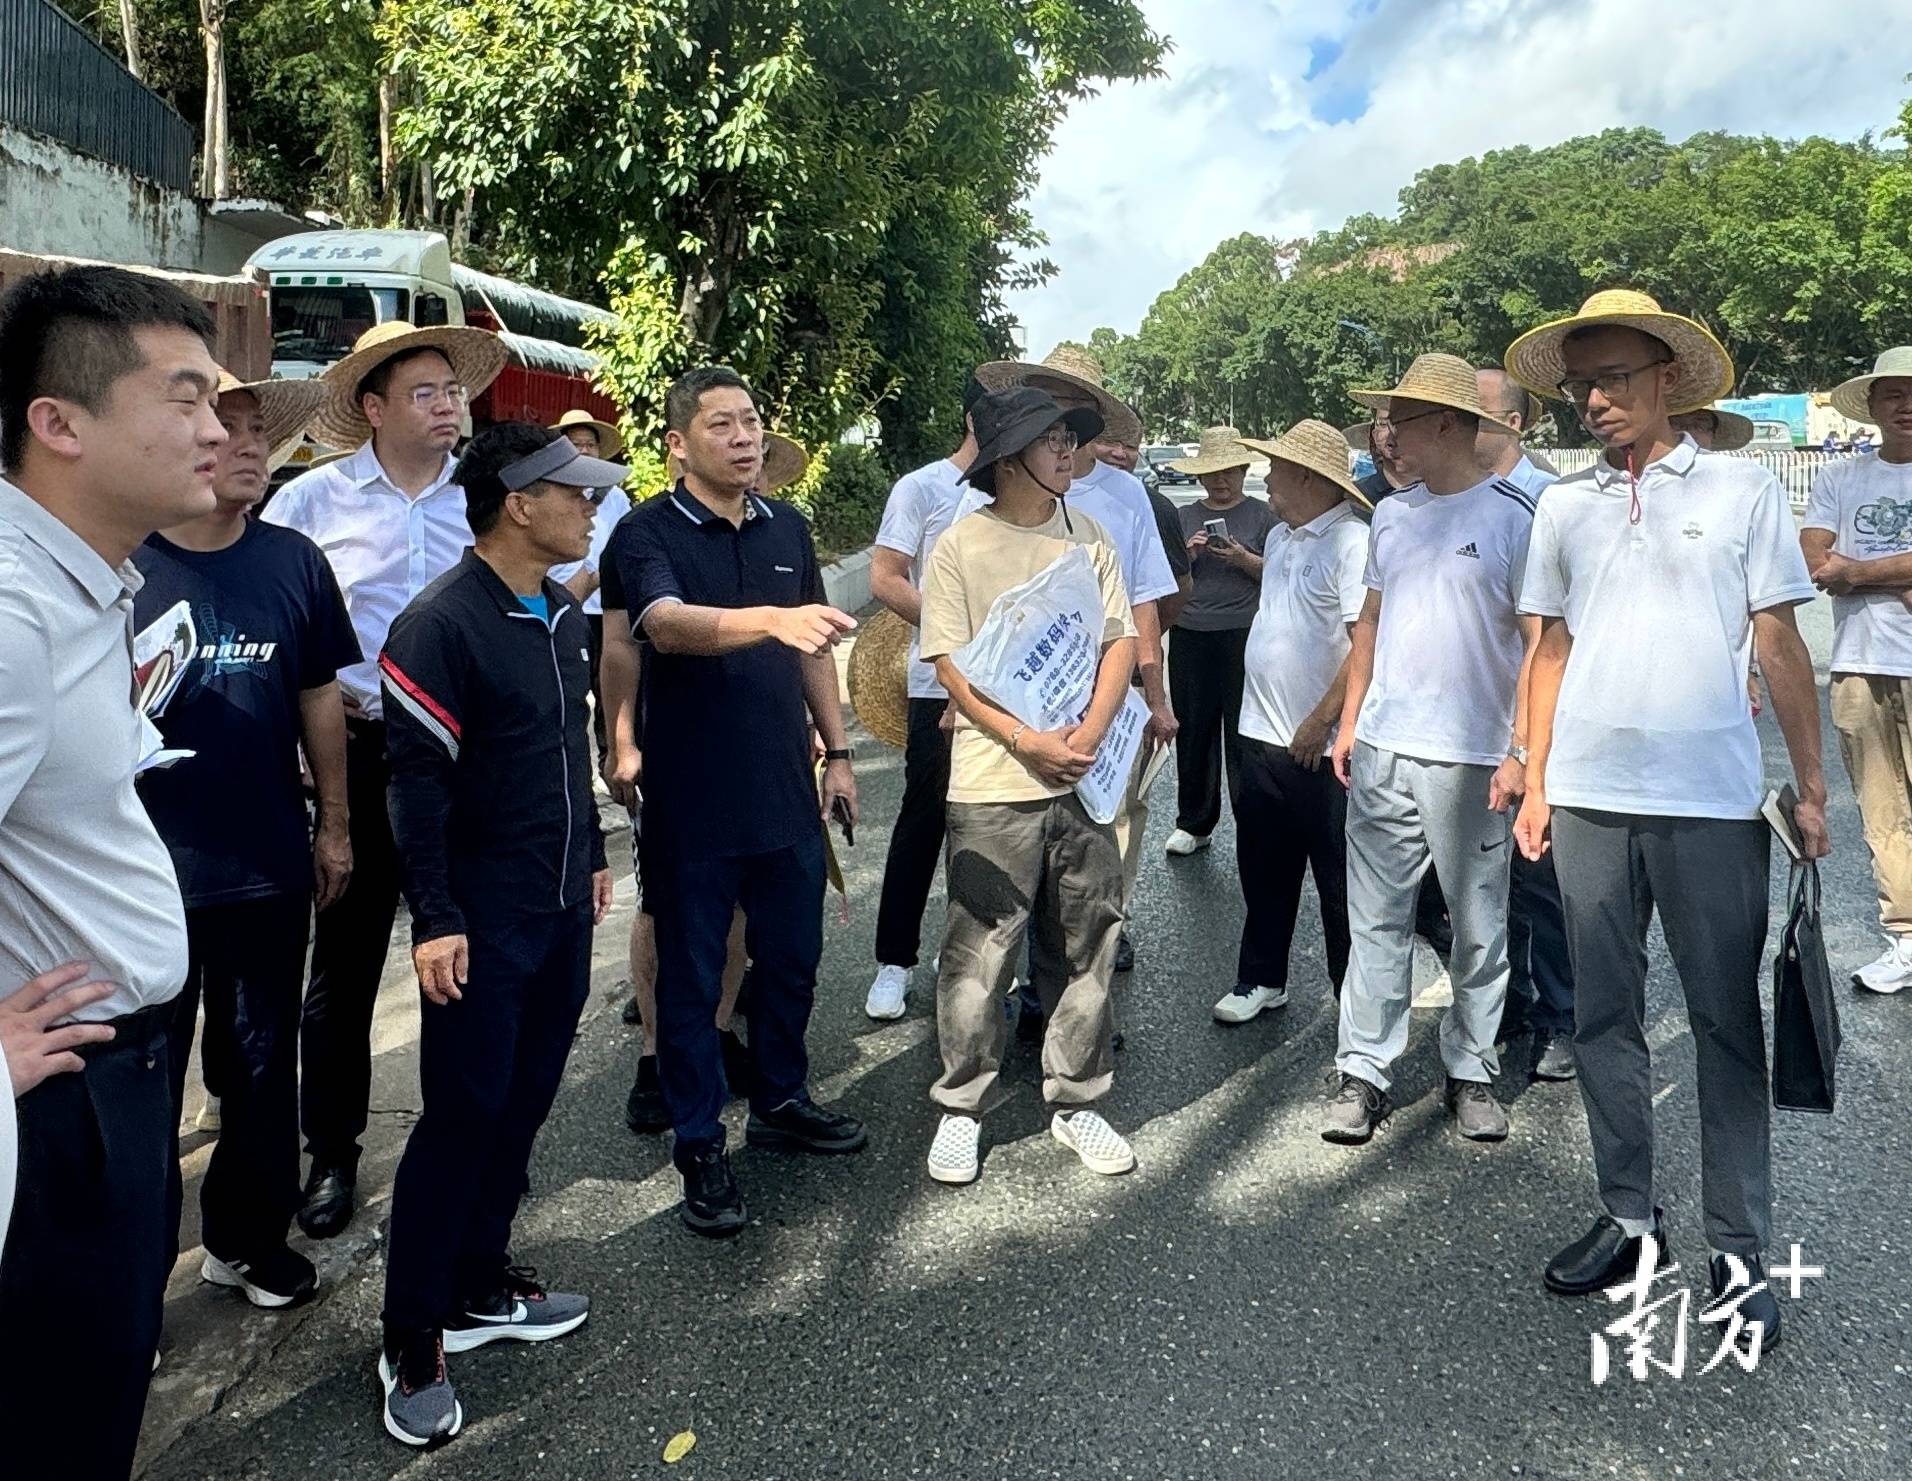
column 614, row 506
column 921, row 506
column 1118, row 502
column 1448, row 650
column 1653, row 716
column 1312, row 587
column 1867, row 504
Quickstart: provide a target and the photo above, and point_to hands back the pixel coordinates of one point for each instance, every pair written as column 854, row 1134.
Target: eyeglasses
column 1609, row 383
column 426, row 397
column 1059, row 440
column 1388, row 426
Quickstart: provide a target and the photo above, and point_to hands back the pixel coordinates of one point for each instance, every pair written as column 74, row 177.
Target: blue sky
column 1288, row 116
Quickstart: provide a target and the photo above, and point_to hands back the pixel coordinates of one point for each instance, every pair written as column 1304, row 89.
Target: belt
column 137, row 1031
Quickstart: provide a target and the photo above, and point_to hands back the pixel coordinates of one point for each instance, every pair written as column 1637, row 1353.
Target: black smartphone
column 840, row 810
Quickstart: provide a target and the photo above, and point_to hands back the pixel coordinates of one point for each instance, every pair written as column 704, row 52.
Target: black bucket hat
column 1009, row 421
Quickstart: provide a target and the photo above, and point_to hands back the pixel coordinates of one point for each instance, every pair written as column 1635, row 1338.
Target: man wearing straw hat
column 1715, row 429
column 1432, row 730
column 1858, row 546
column 920, row 508
column 260, row 685
column 391, row 520
column 1656, row 573
column 1223, row 533
column 1291, row 813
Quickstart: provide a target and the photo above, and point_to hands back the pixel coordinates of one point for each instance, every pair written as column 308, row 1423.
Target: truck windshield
column 323, row 322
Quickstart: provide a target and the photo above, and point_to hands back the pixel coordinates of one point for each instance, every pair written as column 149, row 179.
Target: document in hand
column 1036, row 656
column 161, row 651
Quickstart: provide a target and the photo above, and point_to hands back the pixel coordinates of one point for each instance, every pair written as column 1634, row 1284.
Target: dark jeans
column 917, row 841
column 248, row 961
column 489, row 1065
column 1542, row 975
column 692, row 900
column 1287, row 820
column 83, row 1276
column 350, row 943
column 1205, row 682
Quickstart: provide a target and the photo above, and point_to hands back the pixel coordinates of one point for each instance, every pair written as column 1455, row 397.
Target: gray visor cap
column 559, row 461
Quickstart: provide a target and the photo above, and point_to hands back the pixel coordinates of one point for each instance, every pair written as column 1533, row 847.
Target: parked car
column 1157, row 458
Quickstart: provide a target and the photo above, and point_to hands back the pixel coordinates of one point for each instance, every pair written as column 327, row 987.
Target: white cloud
column 1147, row 178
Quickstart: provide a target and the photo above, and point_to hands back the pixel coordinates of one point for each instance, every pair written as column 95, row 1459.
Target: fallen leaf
column 680, row 1446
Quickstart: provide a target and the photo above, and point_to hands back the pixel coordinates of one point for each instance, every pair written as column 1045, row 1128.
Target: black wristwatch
column 848, row 753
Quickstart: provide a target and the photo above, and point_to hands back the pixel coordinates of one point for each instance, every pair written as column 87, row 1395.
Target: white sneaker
column 889, row 993
column 208, row 1117
column 1892, row 972
column 952, row 1156
column 1099, row 1145
column 1247, row 1000
column 1181, row 844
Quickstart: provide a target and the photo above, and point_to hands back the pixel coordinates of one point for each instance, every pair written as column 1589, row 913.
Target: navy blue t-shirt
column 270, row 624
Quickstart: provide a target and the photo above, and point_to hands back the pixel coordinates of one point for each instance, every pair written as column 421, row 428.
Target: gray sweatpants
column 1007, row 859
column 1402, row 814
column 1709, row 878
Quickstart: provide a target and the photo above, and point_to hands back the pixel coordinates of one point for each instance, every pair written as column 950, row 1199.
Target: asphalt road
column 1250, row 1303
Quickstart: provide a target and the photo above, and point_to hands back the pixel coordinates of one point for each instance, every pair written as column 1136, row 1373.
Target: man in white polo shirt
column 1431, row 746
column 1291, row 812
column 1857, row 539
column 1657, row 572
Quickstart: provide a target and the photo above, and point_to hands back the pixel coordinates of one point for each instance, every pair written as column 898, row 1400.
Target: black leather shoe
column 1754, row 1305
column 712, row 1206
column 644, row 1110
column 805, row 1126
column 1124, row 953
column 1602, row 1257
column 328, row 1200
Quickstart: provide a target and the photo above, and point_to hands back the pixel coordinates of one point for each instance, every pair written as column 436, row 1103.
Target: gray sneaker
column 420, row 1407
column 1478, row 1115
column 519, row 1310
column 1354, row 1110
column 1553, row 1057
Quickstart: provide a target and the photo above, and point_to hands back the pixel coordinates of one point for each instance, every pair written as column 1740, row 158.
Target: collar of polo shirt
column 698, row 513
column 1679, row 461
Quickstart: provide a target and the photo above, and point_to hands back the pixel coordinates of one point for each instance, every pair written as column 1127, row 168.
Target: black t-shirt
column 1168, row 524
column 270, row 623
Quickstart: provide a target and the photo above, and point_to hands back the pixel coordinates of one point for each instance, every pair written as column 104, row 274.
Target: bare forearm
column 1148, row 652
column 1548, row 667
column 1111, row 686
column 893, row 590
column 582, row 583
column 709, row 632
column 322, row 732
column 1888, row 573
column 1328, row 712
column 1523, row 683
column 821, row 695
column 618, row 674
column 1358, row 670
column 993, row 721
column 1787, row 667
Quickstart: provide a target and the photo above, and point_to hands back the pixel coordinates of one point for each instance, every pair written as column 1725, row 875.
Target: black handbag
column 1805, row 1011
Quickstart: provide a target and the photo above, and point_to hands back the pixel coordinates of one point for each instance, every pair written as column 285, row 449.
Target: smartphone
column 840, row 810
column 1217, row 531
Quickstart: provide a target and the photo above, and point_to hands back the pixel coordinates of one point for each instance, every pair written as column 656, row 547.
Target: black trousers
column 349, row 945
column 1288, row 820
column 917, row 841
column 594, row 622
column 248, row 962
column 489, row 1066
column 1205, row 681
column 83, row 1276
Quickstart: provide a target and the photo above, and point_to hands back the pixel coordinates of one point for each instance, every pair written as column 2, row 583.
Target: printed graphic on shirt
column 1470, row 550
column 1883, row 527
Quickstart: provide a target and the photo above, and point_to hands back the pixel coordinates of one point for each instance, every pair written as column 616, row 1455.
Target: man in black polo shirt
column 724, row 586
column 486, row 677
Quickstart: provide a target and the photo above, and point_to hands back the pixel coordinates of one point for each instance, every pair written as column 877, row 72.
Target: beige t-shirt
column 980, row 558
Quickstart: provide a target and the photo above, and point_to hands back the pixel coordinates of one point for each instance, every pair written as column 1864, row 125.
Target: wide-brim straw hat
column 1440, row 380
column 1850, row 399
column 1359, row 436
column 1072, row 367
column 784, row 462
column 1319, row 448
column 1731, row 431
column 476, row 356
column 610, row 440
column 287, row 406
column 1221, row 448
column 879, row 677
column 1706, row 370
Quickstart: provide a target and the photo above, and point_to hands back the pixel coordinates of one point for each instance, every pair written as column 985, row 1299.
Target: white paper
column 161, row 651
column 153, row 754
column 1103, row 789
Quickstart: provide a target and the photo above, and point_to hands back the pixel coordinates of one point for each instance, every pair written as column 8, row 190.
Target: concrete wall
column 53, row 199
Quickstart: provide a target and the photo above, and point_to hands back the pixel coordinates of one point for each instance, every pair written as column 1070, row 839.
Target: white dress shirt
column 385, row 546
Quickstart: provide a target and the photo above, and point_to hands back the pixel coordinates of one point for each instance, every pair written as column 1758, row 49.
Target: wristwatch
column 1519, row 753
column 848, row 753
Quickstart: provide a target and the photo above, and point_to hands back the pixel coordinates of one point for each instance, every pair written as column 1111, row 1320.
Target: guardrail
column 1795, row 468
column 56, row 80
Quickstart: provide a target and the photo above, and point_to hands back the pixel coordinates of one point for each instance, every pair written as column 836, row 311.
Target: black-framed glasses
column 1609, row 383
column 1388, row 426
column 1059, row 440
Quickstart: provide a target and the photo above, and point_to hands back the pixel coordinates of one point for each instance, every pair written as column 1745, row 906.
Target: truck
column 326, row 288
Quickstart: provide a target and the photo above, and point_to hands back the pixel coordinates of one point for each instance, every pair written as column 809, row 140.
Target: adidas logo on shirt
column 1469, row 550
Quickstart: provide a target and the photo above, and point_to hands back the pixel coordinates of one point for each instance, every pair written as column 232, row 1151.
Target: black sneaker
column 1553, row 1056
column 420, row 1407
column 802, row 1125
column 713, row 1206
column 328, row 1200
column 1741, row 1283
column 738, row 1073
column 1124, row 953
column 278, row 1277
column 516, row 1309
column 644, row 1109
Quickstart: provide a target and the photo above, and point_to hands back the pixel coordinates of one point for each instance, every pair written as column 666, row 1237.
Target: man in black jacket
column 485, row 678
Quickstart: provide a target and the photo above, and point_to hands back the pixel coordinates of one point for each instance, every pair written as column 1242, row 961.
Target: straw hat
column 1850, row 399
column 1072, row 367
column 1706, row 370
column 610, row 440
column 476, row 355
column 1358, row 436
column 880, row 678
column 1442, row 380
column 286, row 405
column 1731, row 431
column 1221, row 448
column 1316, row 446
column 784, row 462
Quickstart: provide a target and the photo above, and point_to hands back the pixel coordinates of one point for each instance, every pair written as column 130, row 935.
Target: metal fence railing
column 56, row 80
column 1794, row 468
